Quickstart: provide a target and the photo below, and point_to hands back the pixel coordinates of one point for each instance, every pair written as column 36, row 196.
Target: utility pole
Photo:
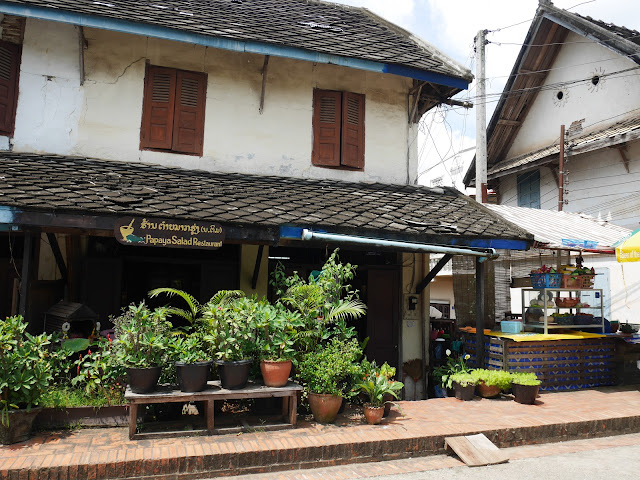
column 481, row 120
column 561, row 170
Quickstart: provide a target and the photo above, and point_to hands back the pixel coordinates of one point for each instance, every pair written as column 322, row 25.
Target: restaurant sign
column 168, row 233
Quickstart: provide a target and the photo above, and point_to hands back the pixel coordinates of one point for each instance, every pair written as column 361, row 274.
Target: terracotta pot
column 275, row 373
column 525, row 394
column 387, row 397
column 324, row 407
column 234, row 375
column 488, row 391
column 464, row 392
column 19, row 427
column 143, row 380
column 373, row 414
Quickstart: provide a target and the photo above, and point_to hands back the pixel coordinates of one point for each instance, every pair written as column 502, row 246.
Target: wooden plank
column 475, row 450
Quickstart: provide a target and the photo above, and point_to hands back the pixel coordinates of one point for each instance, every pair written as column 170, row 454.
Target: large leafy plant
column 330, row 368
column 229, row 325
column 141, row 336
column 187, row 349
column 325, row 302
column 25, row 366
column 277, row 329
column 376, row 386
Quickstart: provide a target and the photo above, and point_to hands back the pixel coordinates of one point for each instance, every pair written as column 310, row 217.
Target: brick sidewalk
column 107, row 453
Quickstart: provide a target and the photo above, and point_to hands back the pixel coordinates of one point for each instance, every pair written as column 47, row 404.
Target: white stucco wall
column 102, row 118
column 579, row 59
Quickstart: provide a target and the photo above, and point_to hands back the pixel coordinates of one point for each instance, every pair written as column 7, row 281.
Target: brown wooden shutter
column 188, row 130
column 353, row 130
column 9, row 68
column 158, row 108
column 326, row 128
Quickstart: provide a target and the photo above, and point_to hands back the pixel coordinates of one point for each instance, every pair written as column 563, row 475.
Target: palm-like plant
column 191, row 314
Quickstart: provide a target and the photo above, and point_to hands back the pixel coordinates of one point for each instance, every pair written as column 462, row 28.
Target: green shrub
column 330, row 369
column 463, row 379
column 25, row 366
column 522, row 378
column 498, row 378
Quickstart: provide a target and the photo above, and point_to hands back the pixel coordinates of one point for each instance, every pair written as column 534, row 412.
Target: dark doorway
column 383, row 310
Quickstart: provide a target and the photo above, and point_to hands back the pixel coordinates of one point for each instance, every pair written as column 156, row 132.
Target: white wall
column 579, row 59
column 102, row 118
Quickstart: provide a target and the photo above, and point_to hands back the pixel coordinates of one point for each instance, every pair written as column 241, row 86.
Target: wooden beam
column 554, row 172
column 622, row 149
column 479, row 313
column 264, row 82
column 256, row 268
column 512, row 123
column 415, row 104
column 432, row 274
column 55, row 248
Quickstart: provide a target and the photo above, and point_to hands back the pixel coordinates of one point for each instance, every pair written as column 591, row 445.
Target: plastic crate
column 546, row 280
column 577, row 281
column 508, row 326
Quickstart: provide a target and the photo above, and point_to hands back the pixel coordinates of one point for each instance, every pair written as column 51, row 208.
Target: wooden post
column 479, row 313
column 26, row 273
column 561, row 170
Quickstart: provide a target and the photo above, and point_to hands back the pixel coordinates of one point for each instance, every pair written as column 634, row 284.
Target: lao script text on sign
column 168, row 233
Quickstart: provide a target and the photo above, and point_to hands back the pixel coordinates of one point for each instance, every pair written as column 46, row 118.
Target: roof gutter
column 260, row 48
column 484, row 254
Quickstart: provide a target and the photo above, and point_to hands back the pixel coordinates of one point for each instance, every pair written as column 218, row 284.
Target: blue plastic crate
column 508, row 326
column 546, row 280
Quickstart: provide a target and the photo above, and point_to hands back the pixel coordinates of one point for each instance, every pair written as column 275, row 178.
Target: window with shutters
column 173, row 110
column 529, row 189
column 9, row 69
column 338, row 130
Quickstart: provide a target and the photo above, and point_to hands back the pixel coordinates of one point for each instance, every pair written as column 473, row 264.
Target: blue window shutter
column 529, row 189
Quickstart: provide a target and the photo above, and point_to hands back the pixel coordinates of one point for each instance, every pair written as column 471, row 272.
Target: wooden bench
column 166, row 394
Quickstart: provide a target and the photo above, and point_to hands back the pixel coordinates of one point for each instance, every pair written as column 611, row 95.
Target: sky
column 451, row 26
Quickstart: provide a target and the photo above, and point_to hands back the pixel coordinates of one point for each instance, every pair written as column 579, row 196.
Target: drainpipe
column 483, row 253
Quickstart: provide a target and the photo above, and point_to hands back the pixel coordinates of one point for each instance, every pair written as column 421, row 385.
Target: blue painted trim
column 7, row 214
column 136, row 28
column 426, row 76
column 291, row 233
column 498, row 244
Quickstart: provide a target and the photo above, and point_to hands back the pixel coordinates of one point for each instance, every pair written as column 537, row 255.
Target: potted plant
column 229, row 331
column 490, row 383
column 464, row 385
column 140, row 345
column 442, row 374
column 191, row 361
column 325, row 374
column 525, row 387
column 25, row 373
column 276, row 331
column 378, row 388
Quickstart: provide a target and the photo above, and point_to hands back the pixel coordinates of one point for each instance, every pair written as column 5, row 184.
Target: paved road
column 606, row 458
column 611, row 463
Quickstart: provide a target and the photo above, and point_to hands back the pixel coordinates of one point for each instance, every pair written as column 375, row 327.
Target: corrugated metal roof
column 582, row 144
column 550, row 227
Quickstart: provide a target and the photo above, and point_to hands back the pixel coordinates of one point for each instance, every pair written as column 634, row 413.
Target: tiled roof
column 620, row 31
column 308, row 24
column 85, row 186
column 579, row 144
